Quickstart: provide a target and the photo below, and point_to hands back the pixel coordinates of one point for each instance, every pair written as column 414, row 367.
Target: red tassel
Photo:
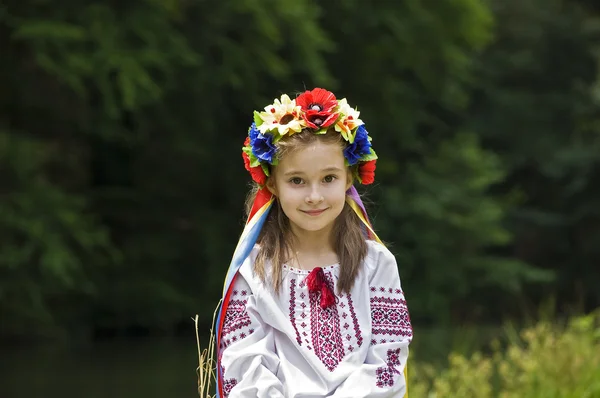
column 315, row 279
column 316, row 283
column 327, row 296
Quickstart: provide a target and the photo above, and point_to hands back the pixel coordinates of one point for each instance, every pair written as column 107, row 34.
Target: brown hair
column 276, row 238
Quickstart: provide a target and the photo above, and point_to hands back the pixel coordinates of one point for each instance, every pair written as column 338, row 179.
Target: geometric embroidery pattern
column 326, row 335
column 330, row 333
column 236, row 319
column 385, row 374
column 390, row 320
column 228, row 386
column 359, row 339
column 293, row 309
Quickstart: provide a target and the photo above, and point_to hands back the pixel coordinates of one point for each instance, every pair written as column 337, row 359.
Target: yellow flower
column 283, row 115
column 349, row 120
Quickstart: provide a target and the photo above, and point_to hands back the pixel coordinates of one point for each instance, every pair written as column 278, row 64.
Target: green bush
column 544, row 361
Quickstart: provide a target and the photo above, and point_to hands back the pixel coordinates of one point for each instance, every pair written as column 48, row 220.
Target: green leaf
column 254, row 161
column 265, row 168
column 368, row 157
column 257, row 119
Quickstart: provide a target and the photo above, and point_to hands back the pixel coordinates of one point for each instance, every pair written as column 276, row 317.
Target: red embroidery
column 389, row 316
column 325, row 329
column 236, row 318
column 228, row 386
column 293, row 309
column 329, row 332
column 385, row 374
column 359, row 339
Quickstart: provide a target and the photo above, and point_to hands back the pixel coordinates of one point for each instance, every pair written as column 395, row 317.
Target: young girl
column 312, row 303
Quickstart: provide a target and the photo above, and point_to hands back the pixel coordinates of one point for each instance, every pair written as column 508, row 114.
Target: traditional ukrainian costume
column 308, row 342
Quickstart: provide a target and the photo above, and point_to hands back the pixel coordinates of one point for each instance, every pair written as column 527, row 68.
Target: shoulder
column 380, row 259
column 246, row 271
column 377, row 252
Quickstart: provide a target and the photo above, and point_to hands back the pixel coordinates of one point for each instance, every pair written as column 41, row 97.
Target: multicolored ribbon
column 258, row 214
column 256, row 219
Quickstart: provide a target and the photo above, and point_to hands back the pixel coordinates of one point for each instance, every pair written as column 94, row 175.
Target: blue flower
column 360, row 147
column 253, row 133
column 262, row 144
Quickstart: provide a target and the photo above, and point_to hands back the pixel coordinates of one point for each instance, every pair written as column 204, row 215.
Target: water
column 129, row 369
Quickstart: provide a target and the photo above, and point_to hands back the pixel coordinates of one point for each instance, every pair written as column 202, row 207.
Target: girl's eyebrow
column 325, row 170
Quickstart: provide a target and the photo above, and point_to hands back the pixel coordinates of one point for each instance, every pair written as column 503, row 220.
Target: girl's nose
column 315, row 196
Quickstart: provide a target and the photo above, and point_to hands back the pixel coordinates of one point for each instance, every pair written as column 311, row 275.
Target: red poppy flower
column 317, row 106
column 257, row 173
column 366, row 171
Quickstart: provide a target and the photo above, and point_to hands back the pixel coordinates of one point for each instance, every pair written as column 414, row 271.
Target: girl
column 312, row 303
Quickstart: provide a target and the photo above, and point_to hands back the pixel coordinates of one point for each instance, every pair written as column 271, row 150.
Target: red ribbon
column 316, row 282
column 262, row 197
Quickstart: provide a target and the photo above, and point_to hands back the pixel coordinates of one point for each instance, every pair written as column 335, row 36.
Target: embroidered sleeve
column 382, row 374
column 246, row 356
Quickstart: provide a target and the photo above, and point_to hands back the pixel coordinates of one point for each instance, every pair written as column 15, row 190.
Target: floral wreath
column 317, row 110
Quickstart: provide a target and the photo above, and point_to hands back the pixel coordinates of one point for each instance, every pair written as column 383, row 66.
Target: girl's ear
column 349, row 178
column 270, row 184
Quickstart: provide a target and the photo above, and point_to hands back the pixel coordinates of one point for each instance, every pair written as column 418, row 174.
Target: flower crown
column 319, row 111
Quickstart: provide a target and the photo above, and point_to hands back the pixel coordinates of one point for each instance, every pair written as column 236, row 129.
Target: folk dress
column 294, row 345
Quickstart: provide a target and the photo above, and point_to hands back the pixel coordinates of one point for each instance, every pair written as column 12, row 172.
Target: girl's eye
column 329, row 178
column 296, row 180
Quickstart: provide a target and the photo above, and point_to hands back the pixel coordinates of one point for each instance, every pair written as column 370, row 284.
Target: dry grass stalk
column 206, row 364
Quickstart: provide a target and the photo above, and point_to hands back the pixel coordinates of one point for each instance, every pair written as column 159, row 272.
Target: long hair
column 276, row 239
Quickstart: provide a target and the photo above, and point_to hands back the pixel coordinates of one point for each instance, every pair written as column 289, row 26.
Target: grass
column 546, row 360
column 206, row 363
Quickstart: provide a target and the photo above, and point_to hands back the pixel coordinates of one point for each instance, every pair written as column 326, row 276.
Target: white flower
column 283, row 115
column 349, row 120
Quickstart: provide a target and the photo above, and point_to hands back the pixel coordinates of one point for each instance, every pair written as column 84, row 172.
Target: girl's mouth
column 313, row 213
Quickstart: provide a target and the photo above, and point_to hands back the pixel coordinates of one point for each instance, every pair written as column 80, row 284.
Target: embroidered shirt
column 288, row 345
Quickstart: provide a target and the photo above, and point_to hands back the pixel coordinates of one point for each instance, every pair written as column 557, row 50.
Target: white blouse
column 287, row 345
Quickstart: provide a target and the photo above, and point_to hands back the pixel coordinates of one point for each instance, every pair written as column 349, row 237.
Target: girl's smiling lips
column 313, row 212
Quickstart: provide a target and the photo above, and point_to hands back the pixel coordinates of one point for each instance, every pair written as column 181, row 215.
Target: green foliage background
column 548, row 359
column 121, row 126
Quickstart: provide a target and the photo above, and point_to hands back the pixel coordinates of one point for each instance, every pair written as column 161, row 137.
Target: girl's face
column 310, row 185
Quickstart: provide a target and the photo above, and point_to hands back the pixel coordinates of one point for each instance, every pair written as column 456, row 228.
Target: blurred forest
column 122, row 182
